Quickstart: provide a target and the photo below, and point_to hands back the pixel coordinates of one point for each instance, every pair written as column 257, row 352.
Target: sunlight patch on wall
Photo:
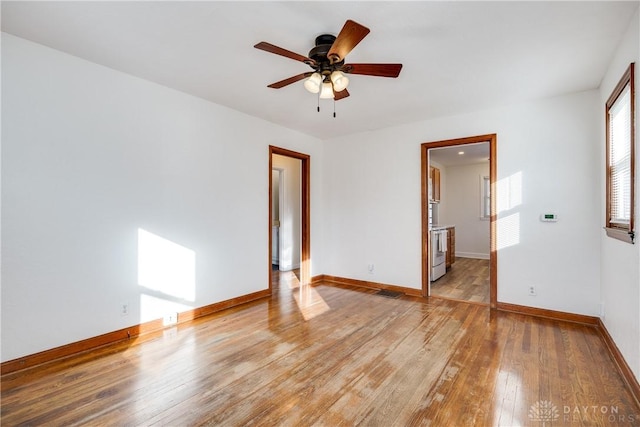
column 166, row 267
column 509, row 192
column 508, row 231
column 153, row 307
column 508, row 197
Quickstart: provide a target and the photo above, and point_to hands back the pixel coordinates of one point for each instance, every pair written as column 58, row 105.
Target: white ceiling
column 471, row 154
column 457, row 56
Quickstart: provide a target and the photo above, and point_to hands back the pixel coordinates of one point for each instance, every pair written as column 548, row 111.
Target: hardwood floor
column 467, row 280
column 335, row 355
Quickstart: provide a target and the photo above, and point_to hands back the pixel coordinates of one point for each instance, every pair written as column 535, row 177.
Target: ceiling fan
column 328, row 77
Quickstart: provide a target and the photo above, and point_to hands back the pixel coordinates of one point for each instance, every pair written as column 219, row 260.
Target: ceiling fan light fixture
column 328, row 79
column 339, row 80
column 327, row 91
column 312, row 84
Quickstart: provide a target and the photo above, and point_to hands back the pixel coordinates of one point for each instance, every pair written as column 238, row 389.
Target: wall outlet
column 532, row 291
column 371, row 267
column 170, row 319
column 124, row 309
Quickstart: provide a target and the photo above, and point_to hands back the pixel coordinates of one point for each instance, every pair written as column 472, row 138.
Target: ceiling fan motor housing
column 319, row 55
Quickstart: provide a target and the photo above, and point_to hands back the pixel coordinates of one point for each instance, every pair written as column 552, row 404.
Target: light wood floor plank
column 331, row 356
column 466, row 280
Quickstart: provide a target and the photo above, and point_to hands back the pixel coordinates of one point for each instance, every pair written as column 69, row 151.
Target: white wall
column 548, row 157
column 463, row 198
column 275, row 216
column 275, row 189
column 90, row 156
column 621, row 261
column 290, row 215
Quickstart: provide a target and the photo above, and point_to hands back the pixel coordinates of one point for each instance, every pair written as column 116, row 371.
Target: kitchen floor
column 466, row 280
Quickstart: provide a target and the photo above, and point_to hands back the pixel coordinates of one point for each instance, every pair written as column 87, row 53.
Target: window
column 620, row 117
column 485, row 198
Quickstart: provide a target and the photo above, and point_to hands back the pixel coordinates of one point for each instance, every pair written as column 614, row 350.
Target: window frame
column 618, row 231
column 485, row 198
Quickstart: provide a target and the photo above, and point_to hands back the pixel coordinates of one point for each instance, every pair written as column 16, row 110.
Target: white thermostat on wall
column 549, row 217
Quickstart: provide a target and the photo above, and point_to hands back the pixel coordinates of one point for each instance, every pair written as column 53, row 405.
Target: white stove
column 438, row 252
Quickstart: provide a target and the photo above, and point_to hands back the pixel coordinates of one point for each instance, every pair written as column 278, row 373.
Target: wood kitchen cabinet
column 451, row 246
column 435, row 183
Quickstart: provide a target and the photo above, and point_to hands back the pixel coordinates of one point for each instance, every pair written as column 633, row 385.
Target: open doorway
column 289, row 232
column 459, row 259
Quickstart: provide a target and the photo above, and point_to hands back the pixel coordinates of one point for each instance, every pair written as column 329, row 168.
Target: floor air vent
column 389, row 294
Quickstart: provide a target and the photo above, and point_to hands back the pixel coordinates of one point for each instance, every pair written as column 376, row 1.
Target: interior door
column 304, row 222
column 491, row 139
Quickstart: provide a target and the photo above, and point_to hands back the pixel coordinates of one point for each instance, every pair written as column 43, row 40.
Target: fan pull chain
column 334, row 108
column 319, row 101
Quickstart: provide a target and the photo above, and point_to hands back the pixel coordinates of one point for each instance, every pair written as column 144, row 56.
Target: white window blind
column 620, row 159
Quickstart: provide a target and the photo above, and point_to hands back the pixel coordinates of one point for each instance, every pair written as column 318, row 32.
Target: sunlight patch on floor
column 310, row 302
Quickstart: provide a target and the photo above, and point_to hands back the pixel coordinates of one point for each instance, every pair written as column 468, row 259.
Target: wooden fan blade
column 286, row 82
column 379, row 70
column 340, row 95
column 351, row 34
column 271, row 48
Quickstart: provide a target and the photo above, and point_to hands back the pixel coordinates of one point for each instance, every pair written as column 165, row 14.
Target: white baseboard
column 471, row 255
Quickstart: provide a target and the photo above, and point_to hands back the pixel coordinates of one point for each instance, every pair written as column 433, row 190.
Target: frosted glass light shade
column 312, row 84
column 340, row 81
column 327, row 91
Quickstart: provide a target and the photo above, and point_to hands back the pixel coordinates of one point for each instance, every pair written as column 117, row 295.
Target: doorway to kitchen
column 459, row 222
column 289, row 220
